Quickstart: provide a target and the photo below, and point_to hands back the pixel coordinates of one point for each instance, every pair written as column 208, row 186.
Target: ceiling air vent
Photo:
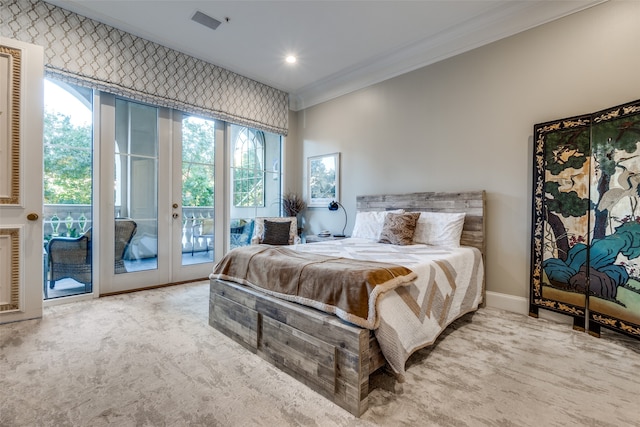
column 205, row 20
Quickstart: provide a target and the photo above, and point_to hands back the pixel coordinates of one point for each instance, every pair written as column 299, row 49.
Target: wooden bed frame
column 332, row 357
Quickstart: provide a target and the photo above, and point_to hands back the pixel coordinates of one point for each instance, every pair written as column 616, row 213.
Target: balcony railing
column 75, row 220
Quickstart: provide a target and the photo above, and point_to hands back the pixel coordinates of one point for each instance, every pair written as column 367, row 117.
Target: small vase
column 301, row 224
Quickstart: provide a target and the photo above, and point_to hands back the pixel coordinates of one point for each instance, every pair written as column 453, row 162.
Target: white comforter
column 449, row 284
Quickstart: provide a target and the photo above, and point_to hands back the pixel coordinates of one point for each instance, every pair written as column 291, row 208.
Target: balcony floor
column 68, row 287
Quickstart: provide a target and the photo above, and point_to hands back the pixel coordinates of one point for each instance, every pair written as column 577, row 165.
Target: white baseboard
column 506, row 302
column 520, row 305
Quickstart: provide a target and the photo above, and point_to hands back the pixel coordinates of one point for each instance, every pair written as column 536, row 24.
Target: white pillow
column 439, row 228
column 369, row 224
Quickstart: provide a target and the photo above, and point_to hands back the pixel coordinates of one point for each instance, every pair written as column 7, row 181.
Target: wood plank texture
column 472, row 203
column 333, row 357
column 318, row 349
column 300, row 353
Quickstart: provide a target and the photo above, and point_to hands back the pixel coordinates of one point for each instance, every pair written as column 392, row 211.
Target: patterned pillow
column 398, row 229
column 276, row 233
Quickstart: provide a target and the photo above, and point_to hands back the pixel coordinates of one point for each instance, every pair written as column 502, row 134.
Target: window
column 198, row 176
column 198, row 136
column 68, row 153
column 248, row 165
column 68, row 144
column 256, row 180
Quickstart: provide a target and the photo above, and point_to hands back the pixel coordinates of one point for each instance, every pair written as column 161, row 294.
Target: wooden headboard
column 472, row 203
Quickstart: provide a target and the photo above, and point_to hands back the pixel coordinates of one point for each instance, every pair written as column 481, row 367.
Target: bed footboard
column 330, row 356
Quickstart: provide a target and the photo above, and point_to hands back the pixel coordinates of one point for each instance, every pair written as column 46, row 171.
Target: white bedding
column 449, row 284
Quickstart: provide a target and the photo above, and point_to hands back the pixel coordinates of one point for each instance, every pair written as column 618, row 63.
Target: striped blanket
column 349, row 288
column 449, row 284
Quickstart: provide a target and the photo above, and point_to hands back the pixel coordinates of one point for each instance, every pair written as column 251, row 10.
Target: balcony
column 74, row 220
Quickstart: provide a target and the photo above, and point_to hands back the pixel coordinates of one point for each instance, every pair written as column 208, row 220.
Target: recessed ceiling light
column 291, row 59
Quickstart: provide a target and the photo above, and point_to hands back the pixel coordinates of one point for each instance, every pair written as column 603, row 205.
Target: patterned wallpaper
column 85, row 52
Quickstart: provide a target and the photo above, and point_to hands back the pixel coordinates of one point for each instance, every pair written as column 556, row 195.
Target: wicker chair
column 71, row 257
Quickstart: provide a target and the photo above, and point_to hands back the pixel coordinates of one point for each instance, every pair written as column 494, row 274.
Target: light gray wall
column 466, row 124
column 292, row 153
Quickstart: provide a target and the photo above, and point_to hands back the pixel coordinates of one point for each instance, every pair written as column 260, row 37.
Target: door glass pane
column 256, row 180
column 136, row 187
column 68, row 183
column 198, row 147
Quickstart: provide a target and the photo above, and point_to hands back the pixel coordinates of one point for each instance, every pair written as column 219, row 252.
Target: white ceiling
column 341, row 46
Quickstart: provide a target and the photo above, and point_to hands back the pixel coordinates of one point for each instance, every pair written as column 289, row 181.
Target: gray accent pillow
column 276, row 233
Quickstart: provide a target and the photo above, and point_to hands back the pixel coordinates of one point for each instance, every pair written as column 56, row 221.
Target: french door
column 21, row 246
column 147, row 237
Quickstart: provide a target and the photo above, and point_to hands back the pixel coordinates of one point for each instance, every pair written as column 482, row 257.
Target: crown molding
column 495, row 24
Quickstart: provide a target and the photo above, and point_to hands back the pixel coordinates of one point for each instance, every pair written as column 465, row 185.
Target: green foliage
column 614, row 136
column 565, row 203
column 248, row 188
column 197, row 184
column 67, row 161
column 68, row 168
column 198, row 139
column 248, row 169
column 323, row 181
column 567, row 149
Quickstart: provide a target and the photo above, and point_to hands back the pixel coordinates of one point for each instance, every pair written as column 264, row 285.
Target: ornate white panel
column 9, row 269
column 10, row 62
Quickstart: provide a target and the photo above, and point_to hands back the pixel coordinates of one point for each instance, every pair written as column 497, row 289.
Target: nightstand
column 313, row 238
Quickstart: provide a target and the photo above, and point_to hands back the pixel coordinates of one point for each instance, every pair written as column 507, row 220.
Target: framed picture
column 323, row 179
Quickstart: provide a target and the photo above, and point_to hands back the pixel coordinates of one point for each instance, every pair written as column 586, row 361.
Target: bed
column 330, row 355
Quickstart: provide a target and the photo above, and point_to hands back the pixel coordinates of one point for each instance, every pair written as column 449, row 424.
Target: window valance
column 82, row 51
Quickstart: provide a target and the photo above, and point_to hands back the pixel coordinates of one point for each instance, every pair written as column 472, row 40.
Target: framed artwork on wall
column 323, row 179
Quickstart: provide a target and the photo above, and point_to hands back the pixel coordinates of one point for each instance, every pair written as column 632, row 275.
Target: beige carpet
column 150, row 359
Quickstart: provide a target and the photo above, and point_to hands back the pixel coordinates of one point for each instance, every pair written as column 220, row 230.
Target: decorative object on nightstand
column 314, row 238
column 333, row 206
column 293, row 205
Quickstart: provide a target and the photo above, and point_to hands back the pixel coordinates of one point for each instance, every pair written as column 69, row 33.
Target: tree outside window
column 249, row 173
column 67, row 141
column 198, row 136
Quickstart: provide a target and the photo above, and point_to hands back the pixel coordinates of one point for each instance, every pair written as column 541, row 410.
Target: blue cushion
column 241, row 232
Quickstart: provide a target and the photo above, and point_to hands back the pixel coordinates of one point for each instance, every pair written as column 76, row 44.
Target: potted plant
column 293, row 205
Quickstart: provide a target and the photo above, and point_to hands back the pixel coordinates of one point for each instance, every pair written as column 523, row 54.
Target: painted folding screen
column 586, row 219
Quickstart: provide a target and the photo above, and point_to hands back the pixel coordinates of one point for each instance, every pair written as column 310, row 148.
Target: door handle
column 175, row 206
column 33, row 216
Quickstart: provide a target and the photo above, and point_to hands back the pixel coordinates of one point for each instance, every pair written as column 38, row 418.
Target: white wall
column 466, row 124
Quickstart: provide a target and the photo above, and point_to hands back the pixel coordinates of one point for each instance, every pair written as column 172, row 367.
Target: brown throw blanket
column 346, row 287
